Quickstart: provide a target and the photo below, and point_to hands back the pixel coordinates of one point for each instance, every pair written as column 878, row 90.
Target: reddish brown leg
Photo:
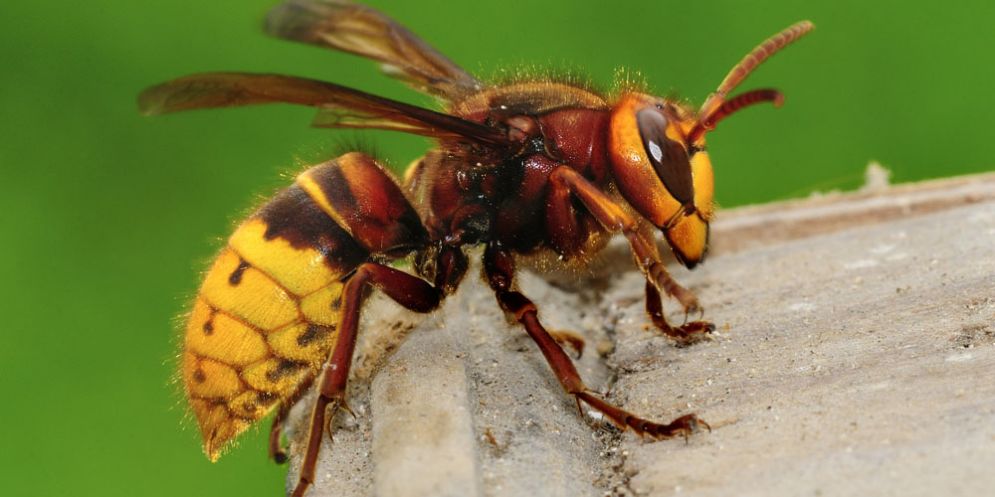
column 500, row 270
column 566, row 183
column 407, row 290
column 685, row 334
column 276, row 450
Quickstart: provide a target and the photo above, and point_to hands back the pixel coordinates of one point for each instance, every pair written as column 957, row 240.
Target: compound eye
column 668, row 157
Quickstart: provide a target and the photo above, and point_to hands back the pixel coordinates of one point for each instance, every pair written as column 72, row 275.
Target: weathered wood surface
column 855, row 356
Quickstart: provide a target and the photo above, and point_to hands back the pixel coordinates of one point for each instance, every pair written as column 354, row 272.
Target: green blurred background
column 109, row 216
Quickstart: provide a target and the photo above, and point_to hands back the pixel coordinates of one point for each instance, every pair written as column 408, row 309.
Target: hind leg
column 411, row 292
column 277, row 452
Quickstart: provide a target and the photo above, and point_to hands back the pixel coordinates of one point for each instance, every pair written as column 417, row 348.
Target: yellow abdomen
column 265, row 317
column 262, row 324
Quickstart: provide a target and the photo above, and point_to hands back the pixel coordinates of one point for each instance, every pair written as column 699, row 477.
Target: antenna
column 717, row 107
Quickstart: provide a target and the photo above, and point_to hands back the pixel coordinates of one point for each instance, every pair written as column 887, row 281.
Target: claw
column 345, row 406
column 695, row 308
column 692, row 332
column 329, row 427
column 569, row 339
column 687, row 299
column 279, row 456
column 333, row 407
column 683, row 426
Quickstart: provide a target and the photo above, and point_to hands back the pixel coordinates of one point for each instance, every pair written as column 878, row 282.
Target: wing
column 364, row 31
column 340, row 106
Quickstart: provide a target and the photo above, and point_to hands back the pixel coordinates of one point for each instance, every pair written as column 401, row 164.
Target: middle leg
column 499, row 267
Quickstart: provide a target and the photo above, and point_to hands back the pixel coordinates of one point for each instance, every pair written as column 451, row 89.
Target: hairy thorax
column 469, row 197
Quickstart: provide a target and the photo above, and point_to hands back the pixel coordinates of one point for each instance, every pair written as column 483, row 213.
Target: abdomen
column 265, row 317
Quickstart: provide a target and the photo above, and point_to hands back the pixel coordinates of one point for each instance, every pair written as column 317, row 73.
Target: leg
column 500, row 269
column 687, row 333
column 407, row 290
column 276, row 450
column 567, row 183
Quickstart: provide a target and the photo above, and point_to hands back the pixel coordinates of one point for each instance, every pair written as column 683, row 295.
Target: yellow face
column 666, row 179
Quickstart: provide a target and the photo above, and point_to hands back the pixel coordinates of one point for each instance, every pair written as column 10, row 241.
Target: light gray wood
column 855, row 356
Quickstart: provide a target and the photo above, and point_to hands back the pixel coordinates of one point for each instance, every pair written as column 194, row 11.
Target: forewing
column 340, row 106
column 364, row 31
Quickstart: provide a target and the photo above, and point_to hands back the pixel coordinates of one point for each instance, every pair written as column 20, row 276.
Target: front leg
column 566, row 184
column 685, row 334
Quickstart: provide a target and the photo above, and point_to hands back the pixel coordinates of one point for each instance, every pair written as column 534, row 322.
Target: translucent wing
column 364, row 31
column 340, row 106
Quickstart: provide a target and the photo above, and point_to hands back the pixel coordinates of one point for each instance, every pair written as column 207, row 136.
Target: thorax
column 472, row 197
